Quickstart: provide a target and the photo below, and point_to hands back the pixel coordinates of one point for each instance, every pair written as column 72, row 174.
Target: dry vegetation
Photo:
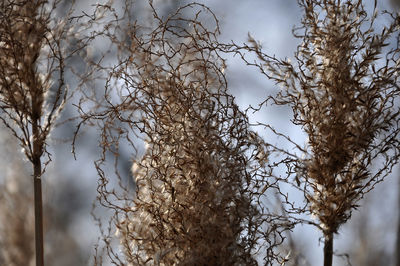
column 205, row 187
column 201, row 177
column 343, row 89
column 34, row 50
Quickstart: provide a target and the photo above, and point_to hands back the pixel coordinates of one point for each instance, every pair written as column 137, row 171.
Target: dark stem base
column 328, row 250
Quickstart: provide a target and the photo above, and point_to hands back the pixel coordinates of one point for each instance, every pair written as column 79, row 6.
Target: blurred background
column 369, row 238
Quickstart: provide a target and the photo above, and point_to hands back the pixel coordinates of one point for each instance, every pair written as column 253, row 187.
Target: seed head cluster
column 342, row 90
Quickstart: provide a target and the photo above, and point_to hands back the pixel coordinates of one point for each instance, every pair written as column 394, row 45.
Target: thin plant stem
column 37, row 180
column 397, row 251
column 328, row 249
column 38, row 215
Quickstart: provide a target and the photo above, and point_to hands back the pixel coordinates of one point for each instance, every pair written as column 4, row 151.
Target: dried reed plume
column 33, row 54
column 16, row 217
column 201, row 178
column 343, row 90
column 17, row 228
